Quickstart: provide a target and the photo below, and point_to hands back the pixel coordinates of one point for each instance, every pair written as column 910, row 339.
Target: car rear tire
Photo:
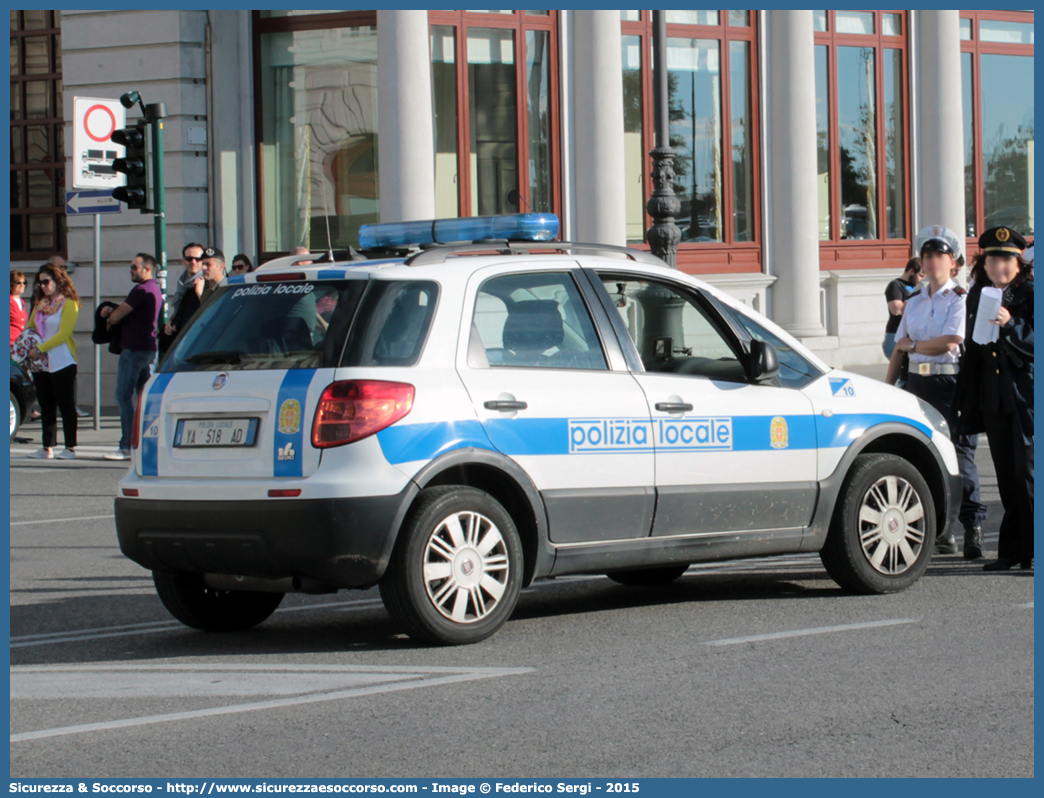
column 16, row 415
column 883, row 529
column 648, row 577
column 189, row 600
column 456, row 571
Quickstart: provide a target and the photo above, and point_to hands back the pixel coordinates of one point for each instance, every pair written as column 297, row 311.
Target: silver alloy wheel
column 891, row 525
column 466, row 567
column 14, row 417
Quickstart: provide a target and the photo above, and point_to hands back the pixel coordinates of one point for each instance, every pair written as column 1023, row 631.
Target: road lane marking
column 397, row 678
column 60, row 520
column 819, row 630
column 1027, row 606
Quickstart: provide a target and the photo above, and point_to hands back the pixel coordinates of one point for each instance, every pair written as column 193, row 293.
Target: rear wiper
column 214, row 357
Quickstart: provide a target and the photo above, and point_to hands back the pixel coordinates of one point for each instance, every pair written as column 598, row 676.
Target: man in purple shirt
column 137, row 317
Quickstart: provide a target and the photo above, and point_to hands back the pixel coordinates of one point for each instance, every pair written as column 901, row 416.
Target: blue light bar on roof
column 513, row 227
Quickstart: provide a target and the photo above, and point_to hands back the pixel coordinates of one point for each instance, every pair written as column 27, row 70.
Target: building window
column 37, row 136
column 495, row 106
column 316, row 83
column 712, row 90
column 861, row 113
column 997, row 72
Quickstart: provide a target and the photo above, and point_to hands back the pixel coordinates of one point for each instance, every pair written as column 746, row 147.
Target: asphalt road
column 753, row 668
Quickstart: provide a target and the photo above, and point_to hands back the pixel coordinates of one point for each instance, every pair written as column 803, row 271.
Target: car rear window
column 297, row 324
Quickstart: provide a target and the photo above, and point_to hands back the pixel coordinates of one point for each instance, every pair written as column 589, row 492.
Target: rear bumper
column 343, row 542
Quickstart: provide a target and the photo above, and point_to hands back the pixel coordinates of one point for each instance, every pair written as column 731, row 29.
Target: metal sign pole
column 97, row 302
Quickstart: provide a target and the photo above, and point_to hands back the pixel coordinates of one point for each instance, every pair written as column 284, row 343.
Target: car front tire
column 188, row 599
column 883, row 530
column 456, row 572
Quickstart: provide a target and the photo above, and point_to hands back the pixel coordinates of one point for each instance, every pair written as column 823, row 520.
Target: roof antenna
column 514, row 198
column 326, row 208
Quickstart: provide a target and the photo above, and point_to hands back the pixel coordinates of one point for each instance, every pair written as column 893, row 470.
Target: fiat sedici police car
column 452, row 422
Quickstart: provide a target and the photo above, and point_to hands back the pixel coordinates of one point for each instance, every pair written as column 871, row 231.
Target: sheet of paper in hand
column 985, row 332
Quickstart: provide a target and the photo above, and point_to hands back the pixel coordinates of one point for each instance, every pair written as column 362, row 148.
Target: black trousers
column 1012, row 453
column 57, row 392
column 938, row 390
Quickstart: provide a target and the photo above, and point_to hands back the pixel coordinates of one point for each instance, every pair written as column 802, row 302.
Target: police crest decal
column 290, row 417
column 779, row 437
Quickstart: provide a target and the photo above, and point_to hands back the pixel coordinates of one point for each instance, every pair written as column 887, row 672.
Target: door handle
column 500, row 404
column 673, row 407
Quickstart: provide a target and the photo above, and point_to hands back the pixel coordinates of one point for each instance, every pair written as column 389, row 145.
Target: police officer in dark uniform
column 995, row 392
column 931, row 332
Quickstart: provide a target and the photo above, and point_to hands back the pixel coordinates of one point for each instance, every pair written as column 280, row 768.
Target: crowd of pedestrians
column 42, row 335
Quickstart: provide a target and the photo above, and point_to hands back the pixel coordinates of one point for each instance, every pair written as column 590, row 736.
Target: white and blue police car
column 451, row 422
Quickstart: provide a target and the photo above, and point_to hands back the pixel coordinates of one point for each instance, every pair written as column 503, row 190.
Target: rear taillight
column 350, row 411
column 136, row 429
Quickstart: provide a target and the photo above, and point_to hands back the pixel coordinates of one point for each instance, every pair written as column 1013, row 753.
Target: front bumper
column 344, row 542
column 954, row 493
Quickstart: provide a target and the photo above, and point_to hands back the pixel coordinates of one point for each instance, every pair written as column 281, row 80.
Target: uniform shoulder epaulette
column 915, row 293
column 959, row 291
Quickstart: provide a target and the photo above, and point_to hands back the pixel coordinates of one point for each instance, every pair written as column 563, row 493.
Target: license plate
column 215, row 432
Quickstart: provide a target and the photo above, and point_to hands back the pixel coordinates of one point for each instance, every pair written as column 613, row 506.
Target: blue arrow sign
column 84, row 202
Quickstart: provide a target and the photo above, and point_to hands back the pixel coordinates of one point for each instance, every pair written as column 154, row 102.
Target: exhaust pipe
column 255, row 584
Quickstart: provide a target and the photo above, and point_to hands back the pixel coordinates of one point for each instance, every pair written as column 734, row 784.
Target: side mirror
column 763, row 362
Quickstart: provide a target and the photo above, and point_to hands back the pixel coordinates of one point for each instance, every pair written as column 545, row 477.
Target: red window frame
column 977, row 48
column 54, row 167
column 835, row 253
column 520, row 23
column 728, row 255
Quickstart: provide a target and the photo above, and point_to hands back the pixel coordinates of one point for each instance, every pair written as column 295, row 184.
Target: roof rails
column 313, row 258
column 439, row 253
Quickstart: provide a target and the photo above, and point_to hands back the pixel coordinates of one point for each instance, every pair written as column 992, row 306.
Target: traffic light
column 136, row 192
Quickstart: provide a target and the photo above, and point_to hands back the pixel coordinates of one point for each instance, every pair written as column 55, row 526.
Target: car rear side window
column 392, row 323
column 297, row 324
column 533, row 321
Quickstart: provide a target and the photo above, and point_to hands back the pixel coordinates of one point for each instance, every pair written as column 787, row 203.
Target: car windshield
column 297, row 324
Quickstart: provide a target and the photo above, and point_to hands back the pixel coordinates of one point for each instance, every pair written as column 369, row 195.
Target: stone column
column 601, row 214
column 405, row 137
column 940, row 120
column 791, row 134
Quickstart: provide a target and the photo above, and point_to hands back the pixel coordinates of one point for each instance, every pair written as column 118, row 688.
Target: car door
column 552, row 397
column 731, row 456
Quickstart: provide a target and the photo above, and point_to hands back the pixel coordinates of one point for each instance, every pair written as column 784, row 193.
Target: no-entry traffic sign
column 94, row 121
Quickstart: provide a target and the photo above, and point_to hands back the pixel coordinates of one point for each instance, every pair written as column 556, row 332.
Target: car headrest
column 534, row 325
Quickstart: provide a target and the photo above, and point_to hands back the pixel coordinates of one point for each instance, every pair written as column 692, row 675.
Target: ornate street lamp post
column 663, row 205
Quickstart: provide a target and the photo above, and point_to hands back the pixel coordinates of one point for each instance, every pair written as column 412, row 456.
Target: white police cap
column 936, row 238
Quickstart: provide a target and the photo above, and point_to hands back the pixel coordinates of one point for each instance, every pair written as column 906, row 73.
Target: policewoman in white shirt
column 931, row 332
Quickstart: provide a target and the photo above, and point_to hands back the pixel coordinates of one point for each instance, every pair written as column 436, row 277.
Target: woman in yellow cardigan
column 56, row 308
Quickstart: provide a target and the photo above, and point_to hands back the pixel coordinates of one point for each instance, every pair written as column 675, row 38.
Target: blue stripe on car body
column 288, row 430
column 403, row 443
column 150, row 414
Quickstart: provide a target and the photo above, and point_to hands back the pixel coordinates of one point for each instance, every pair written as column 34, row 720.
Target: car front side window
column 672, row 331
